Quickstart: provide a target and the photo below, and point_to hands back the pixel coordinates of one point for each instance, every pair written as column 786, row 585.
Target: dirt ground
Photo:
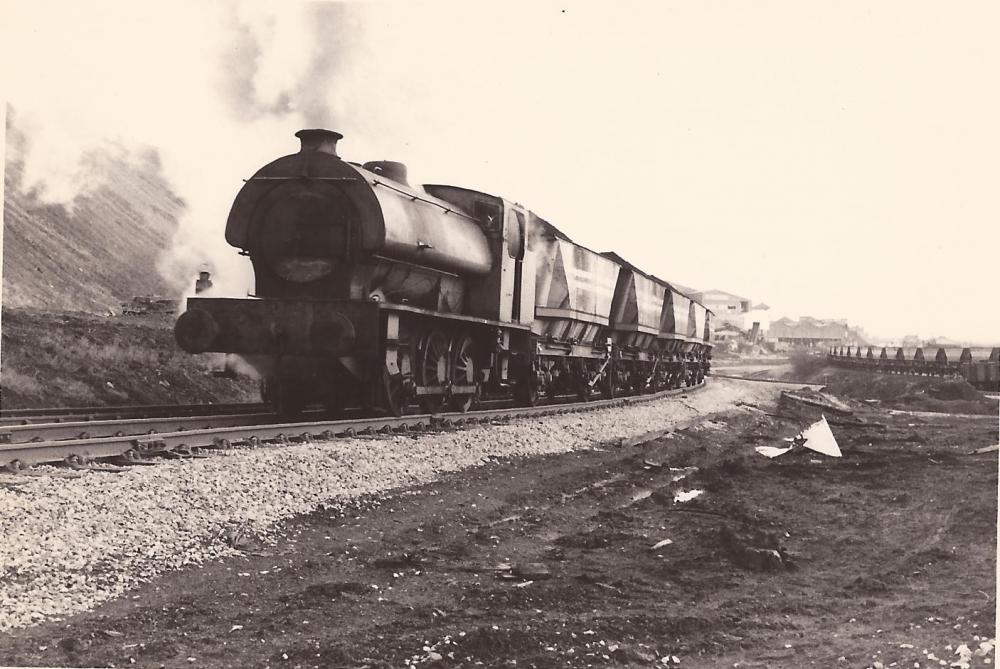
column 890, row 391
column 884, row 555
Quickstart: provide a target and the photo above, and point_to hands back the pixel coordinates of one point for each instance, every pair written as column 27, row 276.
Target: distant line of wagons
column 979, row 366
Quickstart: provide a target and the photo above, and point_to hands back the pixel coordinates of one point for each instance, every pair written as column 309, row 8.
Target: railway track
column 114, row 427
column 9, row 417
column 135, row 441
column 760, row 380
column 120, row 423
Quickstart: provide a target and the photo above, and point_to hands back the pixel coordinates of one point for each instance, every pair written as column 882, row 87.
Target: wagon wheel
column 526, row 393
column 556, row 375
column 606, row 386
column 653, row 374
column 433, row 368
column 463, row 371
column 529, row 382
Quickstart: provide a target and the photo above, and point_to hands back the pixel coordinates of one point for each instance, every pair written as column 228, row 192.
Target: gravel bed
column 69, row 544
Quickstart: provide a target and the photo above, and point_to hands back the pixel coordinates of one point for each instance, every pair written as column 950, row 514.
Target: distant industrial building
column 813, row 332
column 728, row 308
column 728, row 333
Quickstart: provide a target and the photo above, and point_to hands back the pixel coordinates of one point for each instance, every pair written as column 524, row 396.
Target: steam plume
column 205, row 92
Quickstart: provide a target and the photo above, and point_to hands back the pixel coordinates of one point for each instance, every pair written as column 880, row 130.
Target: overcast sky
column 838, row 160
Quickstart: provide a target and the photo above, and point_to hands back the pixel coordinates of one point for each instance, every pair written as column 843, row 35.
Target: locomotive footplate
column 322, row 328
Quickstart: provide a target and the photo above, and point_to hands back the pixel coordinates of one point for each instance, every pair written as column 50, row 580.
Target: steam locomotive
column 372, row 293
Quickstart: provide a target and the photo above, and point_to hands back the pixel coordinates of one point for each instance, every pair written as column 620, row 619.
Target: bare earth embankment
column 890, row 391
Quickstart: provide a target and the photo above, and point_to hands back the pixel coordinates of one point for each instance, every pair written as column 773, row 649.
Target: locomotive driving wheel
column 433, row 369
column 394, row 393
column 463, row 371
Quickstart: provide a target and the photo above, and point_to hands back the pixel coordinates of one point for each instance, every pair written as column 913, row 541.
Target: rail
column 137, row 447
column 62, row 414
column 788, row 382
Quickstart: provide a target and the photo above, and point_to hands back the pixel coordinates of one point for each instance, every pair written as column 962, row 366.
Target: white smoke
column 213, row 90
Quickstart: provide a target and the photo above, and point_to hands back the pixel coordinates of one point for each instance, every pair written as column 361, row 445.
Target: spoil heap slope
column 97, row 252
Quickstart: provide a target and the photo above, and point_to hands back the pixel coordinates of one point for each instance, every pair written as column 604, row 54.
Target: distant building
column 728, row 332
column 945, row 342
column 809, row 331
column 728, row 308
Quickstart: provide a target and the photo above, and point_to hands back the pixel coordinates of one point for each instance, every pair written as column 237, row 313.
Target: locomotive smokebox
column 323, row 141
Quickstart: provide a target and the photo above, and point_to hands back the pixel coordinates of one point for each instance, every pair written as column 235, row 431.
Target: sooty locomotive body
column 372, row 293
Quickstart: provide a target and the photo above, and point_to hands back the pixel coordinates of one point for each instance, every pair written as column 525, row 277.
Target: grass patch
column 13, row 381
column 82, row 360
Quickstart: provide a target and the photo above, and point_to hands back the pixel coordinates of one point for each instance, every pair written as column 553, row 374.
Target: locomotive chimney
column 324, row 141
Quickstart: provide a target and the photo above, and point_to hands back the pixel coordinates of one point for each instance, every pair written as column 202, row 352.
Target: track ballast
column 81, row 449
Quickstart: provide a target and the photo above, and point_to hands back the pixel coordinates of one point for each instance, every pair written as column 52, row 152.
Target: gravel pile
column 69, row 544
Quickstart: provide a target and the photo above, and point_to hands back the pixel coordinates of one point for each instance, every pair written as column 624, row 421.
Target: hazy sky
column 829, row 159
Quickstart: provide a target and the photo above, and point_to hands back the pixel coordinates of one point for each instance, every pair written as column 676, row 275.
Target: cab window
column 515, row 234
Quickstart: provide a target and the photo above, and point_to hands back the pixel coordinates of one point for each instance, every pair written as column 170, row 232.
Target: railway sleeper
column 78, row 463
column 130, row 457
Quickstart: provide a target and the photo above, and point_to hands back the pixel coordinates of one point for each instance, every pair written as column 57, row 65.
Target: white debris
column 772, row 451
column 641, row 495
column 661, row 544
column 818, row 437
column 684, row 496
column 681, row 473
